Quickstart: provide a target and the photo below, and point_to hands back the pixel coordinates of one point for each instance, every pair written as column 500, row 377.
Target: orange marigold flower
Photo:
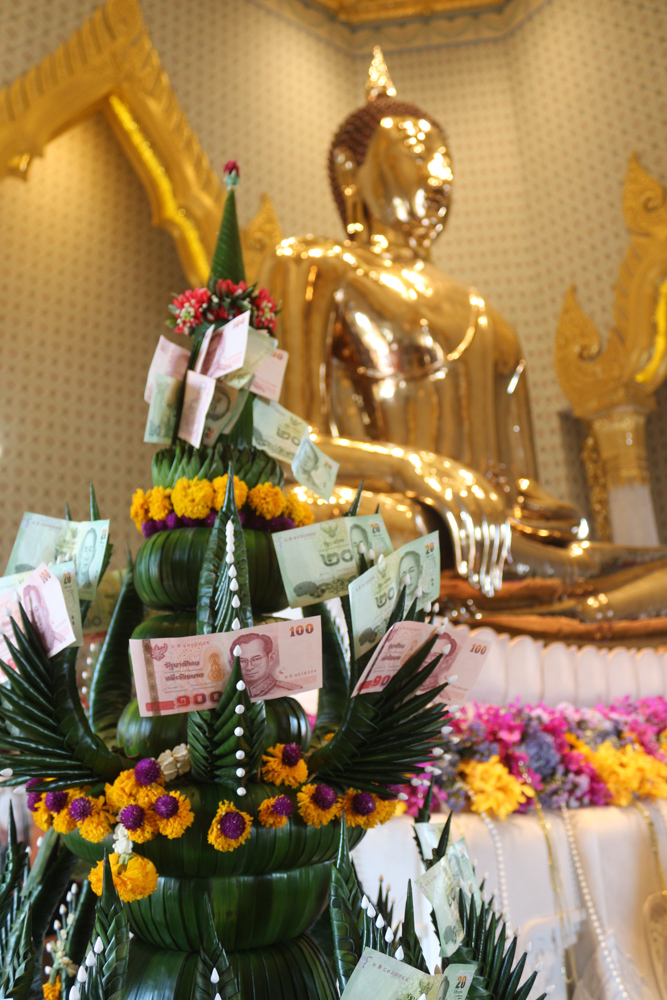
column 139, row 509
column 276, row 811
column 285, row 765
column 362, row 809
column 266, row 500
column 52, row 991
column 318, row 804
column 230, row 828
column 300, row 512
column 134, row 879
column 220, row 488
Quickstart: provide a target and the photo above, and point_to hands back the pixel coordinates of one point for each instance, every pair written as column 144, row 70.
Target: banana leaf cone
column 228, row 256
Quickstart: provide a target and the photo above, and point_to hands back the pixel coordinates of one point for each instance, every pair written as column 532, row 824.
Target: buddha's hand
column 468, row 504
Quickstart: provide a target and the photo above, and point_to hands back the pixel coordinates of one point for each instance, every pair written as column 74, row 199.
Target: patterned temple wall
column 542, row 117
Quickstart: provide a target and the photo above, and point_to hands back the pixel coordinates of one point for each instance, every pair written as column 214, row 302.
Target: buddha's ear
column 346, row 170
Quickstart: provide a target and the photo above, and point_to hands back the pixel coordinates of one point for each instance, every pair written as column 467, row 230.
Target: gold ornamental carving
column 110, row 65
column 361, row 12
column 611, row 387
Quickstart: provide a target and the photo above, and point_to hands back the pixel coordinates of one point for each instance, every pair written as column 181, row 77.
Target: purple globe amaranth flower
column 323, row 797
column 291, row 754
column 232, row 825
column 283, row 806
column 148, row 528
column 192, row 522
column 390, row 792
column 81, row 808
column 32, row 782
column 209, row 520
column 161, row 524
column 363, row 804
column 243, row 518
column 172, row 520
column 55, row 801
column 147, row 772
column 32, row 800
column 166, row 806
column 132, row 817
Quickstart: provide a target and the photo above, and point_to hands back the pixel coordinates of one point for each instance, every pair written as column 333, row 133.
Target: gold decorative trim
column 110, row 65
column 436, row 23
column 611, row 389
column 382, row 11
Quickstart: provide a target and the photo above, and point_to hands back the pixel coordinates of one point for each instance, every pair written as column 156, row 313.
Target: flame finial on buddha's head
column 379, row 81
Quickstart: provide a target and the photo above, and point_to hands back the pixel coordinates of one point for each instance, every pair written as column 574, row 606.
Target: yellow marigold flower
column 300, row 512
column 363, row 809
column 230, row 828
column 386, row 809
column 220, row 488
column 52, row 991
column 139, row 509
column 276, row 811
column 159, row 503
column 174, row 814
column 318, row 804
column 42, row 817
column 493, row 789
column 134, row 880
column 92, row 816
column 192, row 497
column 627, row 771
column 58, row 803
column 266, row 500
column 285, row 765
column 126, row 791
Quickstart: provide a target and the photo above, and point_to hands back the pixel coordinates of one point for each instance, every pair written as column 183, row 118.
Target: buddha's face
column 405, row 179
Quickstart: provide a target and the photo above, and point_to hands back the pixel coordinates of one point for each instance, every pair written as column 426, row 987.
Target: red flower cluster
column 227, row 300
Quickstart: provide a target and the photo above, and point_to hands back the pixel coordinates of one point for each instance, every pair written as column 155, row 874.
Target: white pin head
column 215, row 976
column 231, row 572
column 238, row 731
column 81, row 975
column 438, row 752
column 240, row 685
column 235, row 601
column 241, row 790
column 240, row 754
column 236, row 625
column 98, row 947
column 240, row 709
column 240, row 772
column 234, row 585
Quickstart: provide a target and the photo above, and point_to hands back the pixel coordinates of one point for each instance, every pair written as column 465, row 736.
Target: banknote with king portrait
column 50, row 540
column 188, row 674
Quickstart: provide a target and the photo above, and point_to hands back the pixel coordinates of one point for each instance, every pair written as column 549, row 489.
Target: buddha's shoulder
column 310, row 246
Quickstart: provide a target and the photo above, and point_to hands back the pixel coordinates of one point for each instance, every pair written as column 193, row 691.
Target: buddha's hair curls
column 357, row 130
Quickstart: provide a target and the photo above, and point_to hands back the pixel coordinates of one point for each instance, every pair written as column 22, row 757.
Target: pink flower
column 231, row 167
column 264, row 311
column 188, row 309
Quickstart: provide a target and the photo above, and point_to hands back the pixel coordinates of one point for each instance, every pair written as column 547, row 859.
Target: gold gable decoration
column 612, row 388
column 110, row 65
column 358, row 12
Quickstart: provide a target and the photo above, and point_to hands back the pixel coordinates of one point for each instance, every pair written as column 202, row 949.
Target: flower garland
column 504, row 759
column 220, row 304
column 194, row 503
column 137, row 807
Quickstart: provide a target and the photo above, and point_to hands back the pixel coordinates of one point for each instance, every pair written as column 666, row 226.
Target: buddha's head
column 391, row 174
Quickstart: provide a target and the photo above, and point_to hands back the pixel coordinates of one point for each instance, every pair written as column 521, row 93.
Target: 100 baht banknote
column 437, row 884
column 320, row 560
column 382, row 977
column 373, row 596
column 169, row 359
column 224, row 411
column 43, row 600
column 188, row 674
column 42, row 539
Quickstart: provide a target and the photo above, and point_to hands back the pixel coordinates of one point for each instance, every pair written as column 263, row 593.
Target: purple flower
column 172, row 520
column 32, row 800
column 232, row 825
column 148, row 528
column 192, row 522
column 147, row 772
column 166, row 806
column 363, row 803
column 55, row 802
column 323, row 797
column 283, row 806
column 209, row 520
column 81, row 808
column 280, row 523
column 291, row 754
column 160, row 525
column 132, row 817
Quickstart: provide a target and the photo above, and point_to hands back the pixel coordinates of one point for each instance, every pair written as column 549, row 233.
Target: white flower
column 175, row 762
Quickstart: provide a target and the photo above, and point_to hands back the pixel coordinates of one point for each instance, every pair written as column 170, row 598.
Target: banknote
column 384, row 978
column 394, row 649
column 163, row 409
column 169, row 359
column 462, row 871
column 198, row 395
column 277, row 431
column 463, row 657
column 268, row 379
column 259, row 347
column 459, row 978
column 437, row 884
column 188, row 674
column 65, row 573
column 223, row 348
column 320, row 560
column 224, row 411
column 374, row 594
column 52, row 540
column 313, row 469
column 41, row 594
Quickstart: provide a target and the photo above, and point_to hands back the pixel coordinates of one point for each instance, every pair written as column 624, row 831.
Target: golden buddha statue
column 395, row 365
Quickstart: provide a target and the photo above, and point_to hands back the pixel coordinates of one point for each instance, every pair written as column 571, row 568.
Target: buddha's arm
column 303, row 276
column 466, row 503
